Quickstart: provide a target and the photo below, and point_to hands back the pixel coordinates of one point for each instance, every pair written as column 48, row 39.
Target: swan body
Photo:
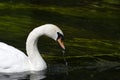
column 14, row 60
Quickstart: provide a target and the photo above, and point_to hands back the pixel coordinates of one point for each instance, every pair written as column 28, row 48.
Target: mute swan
column 13, row 60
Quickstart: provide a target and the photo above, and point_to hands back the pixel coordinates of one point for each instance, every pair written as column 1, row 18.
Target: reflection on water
column 83, row 69
column 23, row 76
column 72, row 69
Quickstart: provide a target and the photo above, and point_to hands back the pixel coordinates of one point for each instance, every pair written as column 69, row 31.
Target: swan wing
column 12, row 59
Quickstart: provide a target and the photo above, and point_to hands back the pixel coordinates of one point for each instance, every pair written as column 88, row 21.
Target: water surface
column 76, row 69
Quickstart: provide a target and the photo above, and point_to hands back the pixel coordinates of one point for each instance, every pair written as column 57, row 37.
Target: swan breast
column 12, row 59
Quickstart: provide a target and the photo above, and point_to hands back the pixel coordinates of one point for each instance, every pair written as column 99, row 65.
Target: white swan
column 13, row 60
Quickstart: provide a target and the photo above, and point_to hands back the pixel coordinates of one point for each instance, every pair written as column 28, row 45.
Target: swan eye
column 60, row 36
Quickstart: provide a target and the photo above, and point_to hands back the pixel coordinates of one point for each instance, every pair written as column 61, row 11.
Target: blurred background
column 91, row 28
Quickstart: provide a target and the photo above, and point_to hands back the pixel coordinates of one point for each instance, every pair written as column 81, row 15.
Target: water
column 76, row 69
column 83, row 69
column 23, row 76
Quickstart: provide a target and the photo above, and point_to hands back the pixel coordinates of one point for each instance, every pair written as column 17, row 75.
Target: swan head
column 60, row 38
column 55, row 33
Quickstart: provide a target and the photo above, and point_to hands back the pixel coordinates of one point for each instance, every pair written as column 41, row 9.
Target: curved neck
column 37, row 62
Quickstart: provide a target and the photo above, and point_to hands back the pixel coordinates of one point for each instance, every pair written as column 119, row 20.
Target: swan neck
column 37, row 62
column 31, row 43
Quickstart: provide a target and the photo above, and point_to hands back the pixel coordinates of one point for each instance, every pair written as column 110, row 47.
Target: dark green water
column 76, row 69
column 91, row 37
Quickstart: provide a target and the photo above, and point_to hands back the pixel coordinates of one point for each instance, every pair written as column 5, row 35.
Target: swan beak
column 61, row 43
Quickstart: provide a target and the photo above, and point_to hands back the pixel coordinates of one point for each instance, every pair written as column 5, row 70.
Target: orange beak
column 61, row 43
